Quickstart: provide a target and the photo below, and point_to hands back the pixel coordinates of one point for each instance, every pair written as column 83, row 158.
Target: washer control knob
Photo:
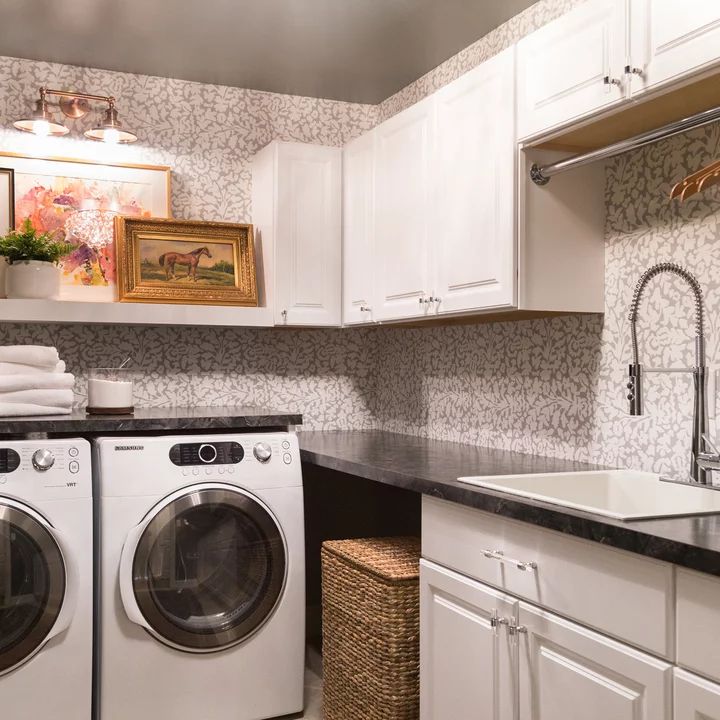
column 207, row 453
column 43, row 460
column 262, row 451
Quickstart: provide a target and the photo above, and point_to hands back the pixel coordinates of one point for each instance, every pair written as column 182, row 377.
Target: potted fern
column 33, row 270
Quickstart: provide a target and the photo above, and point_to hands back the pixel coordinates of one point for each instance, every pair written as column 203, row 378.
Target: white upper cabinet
column 467, row 661
column 474, row 173
column 573, row 66
column 671, row 38
column 296, row 209
column 604, row 52
column 358, row 229
column 403, row 214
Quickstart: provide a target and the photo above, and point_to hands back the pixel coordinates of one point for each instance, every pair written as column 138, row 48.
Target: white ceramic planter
column 32, row 279
column 3, row 273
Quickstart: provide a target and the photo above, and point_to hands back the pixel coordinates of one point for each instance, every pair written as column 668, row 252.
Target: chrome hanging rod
column 541, row 175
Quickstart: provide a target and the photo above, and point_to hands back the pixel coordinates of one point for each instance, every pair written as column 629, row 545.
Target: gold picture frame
column 185, row 262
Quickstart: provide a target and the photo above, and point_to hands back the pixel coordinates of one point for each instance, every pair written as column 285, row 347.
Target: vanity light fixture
column 41, row 122
column 76, row 105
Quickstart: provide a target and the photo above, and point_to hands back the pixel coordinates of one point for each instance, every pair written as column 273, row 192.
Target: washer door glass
column 209, row 569
column 32, row 585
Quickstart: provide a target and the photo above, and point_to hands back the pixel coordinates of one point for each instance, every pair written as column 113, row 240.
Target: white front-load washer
column 202, row 578
column 46, row 579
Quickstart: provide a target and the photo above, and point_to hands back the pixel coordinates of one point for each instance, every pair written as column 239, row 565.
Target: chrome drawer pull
column 499, row 555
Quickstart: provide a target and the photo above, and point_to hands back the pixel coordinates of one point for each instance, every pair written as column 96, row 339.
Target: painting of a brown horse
column 191, row 259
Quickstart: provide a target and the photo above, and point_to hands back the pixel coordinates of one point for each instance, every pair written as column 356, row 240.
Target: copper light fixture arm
column 109, row 99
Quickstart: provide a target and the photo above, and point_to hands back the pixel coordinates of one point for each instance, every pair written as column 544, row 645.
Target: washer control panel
column 45, row 469
column 210, row 453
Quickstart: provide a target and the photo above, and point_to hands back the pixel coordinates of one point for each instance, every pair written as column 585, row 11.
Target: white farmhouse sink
column 619, row 494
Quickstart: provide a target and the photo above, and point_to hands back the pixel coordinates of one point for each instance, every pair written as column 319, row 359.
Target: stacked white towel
column 33, row 381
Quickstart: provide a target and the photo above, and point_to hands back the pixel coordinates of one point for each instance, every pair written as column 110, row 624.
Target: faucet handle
column 710, row 444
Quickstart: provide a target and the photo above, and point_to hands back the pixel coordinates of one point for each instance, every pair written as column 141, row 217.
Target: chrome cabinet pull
column 607, row 80
column 496, row 620
column 365, row 308
column 515, row 629
column 499, row 555
column 630, row 70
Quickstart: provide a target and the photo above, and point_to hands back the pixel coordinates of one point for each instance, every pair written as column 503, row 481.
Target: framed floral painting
column 7, row 200
column 81, row 200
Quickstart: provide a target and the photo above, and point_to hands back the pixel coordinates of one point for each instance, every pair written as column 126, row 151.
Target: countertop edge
column 574, row 523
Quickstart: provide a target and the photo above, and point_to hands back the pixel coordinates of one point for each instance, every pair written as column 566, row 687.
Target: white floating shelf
column 99, row 313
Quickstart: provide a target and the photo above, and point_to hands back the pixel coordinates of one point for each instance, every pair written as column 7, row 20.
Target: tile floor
column 313, row 696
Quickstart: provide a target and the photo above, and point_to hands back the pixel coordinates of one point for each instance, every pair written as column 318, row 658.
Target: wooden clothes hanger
column 697, row 182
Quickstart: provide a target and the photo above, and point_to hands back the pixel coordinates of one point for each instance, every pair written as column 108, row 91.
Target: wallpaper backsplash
column 554, row 387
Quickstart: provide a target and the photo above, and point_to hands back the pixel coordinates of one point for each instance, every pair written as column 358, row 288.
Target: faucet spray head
column 634, row 387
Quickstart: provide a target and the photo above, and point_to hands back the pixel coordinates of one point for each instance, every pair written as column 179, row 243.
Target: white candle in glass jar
column 110, row 393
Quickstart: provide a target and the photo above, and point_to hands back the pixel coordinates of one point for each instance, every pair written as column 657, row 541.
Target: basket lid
column 391, row 558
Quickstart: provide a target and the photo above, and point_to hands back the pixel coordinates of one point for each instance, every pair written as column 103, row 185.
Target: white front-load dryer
column 202, row 579
column 46, row 579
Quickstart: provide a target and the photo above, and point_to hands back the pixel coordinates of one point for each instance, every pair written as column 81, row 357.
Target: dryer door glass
column 32, row 585
column 209, row 569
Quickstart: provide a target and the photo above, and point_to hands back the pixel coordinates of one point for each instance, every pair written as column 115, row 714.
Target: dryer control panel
column 209, row 453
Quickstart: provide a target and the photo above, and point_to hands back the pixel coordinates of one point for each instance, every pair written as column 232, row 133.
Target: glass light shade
column 111, row 130
column 93, row 227
column 41, row 122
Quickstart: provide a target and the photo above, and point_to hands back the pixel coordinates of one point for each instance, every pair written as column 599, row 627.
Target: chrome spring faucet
column 704, row 457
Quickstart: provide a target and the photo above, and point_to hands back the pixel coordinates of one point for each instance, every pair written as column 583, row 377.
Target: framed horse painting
column 185, row 261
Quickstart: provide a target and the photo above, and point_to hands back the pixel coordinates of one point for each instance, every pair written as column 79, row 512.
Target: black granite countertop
column 153, row 419
column 432, row 467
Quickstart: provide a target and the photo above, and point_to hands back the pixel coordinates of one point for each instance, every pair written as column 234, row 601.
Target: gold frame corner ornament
column 129, row 231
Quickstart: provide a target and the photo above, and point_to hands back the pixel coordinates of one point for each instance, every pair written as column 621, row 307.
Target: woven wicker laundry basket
column 371, row 628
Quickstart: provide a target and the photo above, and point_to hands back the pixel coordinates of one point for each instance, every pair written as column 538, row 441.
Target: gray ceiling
column 356, row 50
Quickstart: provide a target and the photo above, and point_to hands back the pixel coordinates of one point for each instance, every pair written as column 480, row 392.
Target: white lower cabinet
column 521, row 622
column 698, row 622
column 695, row 697
column 488, row 656
column 568, row 672
column 468, row 665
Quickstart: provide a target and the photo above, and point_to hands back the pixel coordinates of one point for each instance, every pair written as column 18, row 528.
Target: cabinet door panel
column 402, row 212
column 562, row 66
column 309, row 235
column 695, row 697
column 672, row 39
column 475, row 181
column 698, row 622
column 568, row 672
column 467, row 661
column 358, row 229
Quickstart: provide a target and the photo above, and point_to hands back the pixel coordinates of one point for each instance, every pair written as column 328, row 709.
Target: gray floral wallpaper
column 552, row 386
column 208, row 135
